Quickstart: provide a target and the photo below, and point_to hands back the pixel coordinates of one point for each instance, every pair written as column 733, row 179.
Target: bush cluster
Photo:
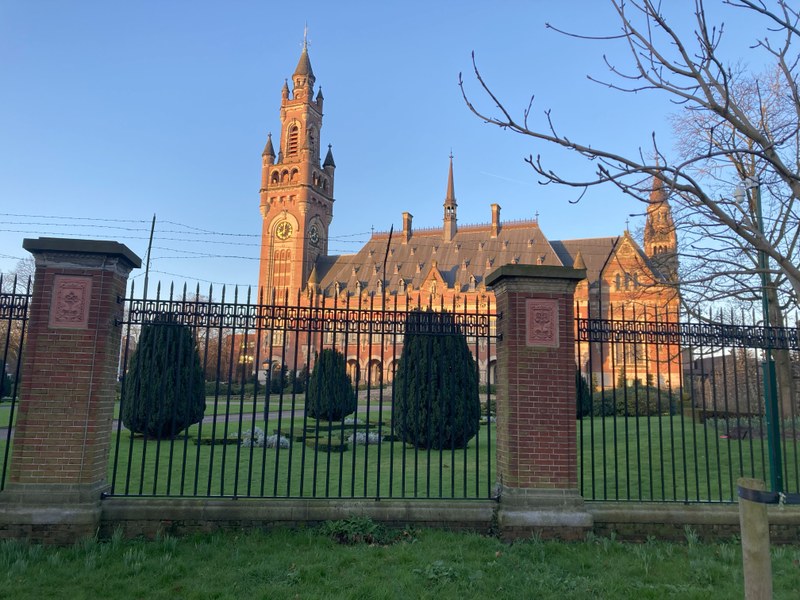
column 633, row 401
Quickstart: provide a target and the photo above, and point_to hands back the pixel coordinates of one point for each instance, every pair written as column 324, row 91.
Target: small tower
column 296, row 190
column 660, row 237
column 450, row 206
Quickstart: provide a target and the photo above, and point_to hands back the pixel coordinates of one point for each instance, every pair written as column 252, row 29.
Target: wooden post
column 755, row 544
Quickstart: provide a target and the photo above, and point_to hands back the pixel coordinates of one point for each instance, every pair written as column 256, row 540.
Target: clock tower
column 296, row 190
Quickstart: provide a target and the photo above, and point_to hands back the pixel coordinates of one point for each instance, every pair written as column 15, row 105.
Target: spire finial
column 450, row 195
column 305, row 36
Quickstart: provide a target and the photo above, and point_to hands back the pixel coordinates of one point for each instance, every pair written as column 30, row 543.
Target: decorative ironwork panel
column 311, row 319
column 13, row 306
column 688, row 334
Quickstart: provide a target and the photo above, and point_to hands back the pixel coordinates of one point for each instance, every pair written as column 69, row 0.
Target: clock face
column 283, row 230
column 313, row 234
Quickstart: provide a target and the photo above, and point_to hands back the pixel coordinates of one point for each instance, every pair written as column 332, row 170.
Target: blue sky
column 111, row 112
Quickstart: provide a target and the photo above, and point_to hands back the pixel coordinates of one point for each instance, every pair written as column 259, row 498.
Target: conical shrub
column 436, row 385
column 163, row 391
column 330, row 393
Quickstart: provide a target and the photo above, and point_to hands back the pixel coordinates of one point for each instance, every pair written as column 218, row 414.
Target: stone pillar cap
column 78, row 246
column 534, row 272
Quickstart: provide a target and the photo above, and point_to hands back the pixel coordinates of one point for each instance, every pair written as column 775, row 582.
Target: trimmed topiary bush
column 164, row 390
column 436, row 385
column 330, row 393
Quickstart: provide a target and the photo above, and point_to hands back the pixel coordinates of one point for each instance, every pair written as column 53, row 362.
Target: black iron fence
column 673, row 409
column 263, row 430
column 14, row 300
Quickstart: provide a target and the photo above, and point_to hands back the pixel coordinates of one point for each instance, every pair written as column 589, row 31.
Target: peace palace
column 446, row 265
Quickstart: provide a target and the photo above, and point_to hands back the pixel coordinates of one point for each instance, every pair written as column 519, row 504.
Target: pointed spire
column 450, row 197
column 579, row 263
column 313, row 278
column 658, row 193
column 304, row 71
column 329, row 158
column 450, row 205
column 268, row 149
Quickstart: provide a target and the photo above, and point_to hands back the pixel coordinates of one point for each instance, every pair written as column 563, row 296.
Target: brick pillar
column 59, row 462
column 536, row 425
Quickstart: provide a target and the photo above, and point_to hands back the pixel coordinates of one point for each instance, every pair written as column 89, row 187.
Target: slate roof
column 462, row 263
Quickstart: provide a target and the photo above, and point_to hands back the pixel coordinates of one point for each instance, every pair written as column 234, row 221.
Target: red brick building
column 445, row 265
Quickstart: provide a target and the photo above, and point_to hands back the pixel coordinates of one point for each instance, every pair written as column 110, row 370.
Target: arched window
column 275, row 177
column 293, row 177
column 292, row 140
column 352, row 370
column 375, row 372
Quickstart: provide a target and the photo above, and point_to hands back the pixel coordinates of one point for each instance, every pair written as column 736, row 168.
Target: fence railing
column 672, row 409
column 14, row 301
column 256, row 437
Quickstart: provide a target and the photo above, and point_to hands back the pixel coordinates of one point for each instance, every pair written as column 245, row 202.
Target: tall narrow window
column 282, row 274
column 292, row 140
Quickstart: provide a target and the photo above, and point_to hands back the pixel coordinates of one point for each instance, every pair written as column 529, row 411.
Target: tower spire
column 450, row 206
column 660, row 237
column 303, row 76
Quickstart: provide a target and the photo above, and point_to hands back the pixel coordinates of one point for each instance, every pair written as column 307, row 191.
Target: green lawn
column 388, row 469
column 649, row 459
column 670, row 458
column 5, row 413
column 428, row 564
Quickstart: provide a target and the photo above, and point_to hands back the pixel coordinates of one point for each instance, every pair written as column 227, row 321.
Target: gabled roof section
column 433, row 275
column 460, row 265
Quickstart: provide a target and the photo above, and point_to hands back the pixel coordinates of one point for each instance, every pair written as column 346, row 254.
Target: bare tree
column 744, row 126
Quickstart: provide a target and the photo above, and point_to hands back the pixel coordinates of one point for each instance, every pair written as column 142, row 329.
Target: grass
column 389, row 469
column 667, row 458
column 671, row 458
column 5, row 413
column 308, row 563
